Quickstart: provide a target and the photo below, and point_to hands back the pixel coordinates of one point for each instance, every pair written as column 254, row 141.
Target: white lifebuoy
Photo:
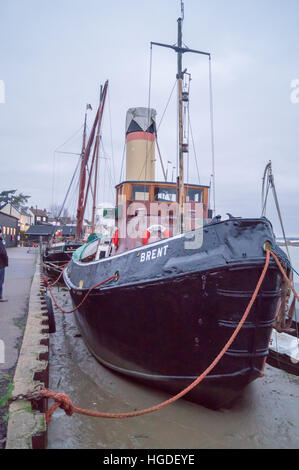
column 152, row 229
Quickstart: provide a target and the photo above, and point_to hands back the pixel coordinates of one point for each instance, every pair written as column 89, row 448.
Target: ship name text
column 153, row 254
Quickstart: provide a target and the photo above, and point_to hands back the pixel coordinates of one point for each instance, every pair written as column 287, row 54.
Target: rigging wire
column 193, row 146
column 53, row 177
column 111, row 183
column 88, row 172
column 149, row 111
column 161, row 120
column 69, row 139
column 68, row 153
column 54, row 159
column 268, row 176
column 161, row 161
column 72, row 199
column 167, row 104
column 264, row 200
column 212, row 134
column 107, row 170
column 158, row 147
column 71, row 182
column 122, row 162
column 112, row 150
column 150, row 80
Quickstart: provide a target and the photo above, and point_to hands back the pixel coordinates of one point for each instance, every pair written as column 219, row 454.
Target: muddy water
column 267, row 416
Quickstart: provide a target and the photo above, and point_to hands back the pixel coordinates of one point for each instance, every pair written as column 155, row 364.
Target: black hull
column 166, row 328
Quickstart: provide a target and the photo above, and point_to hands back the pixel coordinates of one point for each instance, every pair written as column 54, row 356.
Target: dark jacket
column 3, row 255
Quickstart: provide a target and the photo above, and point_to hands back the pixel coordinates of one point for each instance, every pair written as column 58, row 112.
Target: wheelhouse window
column 165, row 194
column 194, row 195
column 140, row 193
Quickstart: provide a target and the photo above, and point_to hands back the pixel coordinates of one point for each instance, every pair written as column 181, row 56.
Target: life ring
column 154, row 228
column 115, row 238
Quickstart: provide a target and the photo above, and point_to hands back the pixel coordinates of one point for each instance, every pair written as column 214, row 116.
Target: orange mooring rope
column 63, row 401
column 84, row 298
column 285, row 276
column 46, row 282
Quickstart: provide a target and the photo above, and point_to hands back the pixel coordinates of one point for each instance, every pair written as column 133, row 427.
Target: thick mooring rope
column 84, row 298
column 64, row 402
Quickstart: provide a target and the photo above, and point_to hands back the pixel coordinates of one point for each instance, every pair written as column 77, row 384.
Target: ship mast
column 82, row 176
column 97, row 145
column 83, row 187
column 180, row 78
column 180, row 50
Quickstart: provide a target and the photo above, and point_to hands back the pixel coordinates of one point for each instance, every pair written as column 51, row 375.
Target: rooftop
column 39, row 212
column 41, row 230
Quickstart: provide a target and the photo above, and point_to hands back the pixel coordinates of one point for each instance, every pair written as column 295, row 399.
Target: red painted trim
column 141, row 136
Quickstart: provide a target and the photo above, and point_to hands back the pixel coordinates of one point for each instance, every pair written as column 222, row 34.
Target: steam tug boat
column 183, row 280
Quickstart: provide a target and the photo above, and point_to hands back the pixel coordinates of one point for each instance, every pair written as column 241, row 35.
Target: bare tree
column 60, row 216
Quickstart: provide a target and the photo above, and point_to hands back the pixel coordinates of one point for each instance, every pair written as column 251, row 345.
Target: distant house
column 23, row 214
column 9, row 209
column 26, row 219
column 45, row 231
column 40, row 216
column 10, row 229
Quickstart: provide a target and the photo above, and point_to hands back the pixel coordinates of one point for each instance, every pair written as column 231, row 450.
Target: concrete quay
column 28, row 364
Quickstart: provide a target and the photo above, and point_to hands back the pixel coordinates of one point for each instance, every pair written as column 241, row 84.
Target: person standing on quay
column 3, row 264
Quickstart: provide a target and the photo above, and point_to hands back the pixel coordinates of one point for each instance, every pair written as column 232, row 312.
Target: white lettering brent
column 153, row 254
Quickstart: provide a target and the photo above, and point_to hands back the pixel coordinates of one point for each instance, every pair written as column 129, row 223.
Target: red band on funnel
column 140, row 136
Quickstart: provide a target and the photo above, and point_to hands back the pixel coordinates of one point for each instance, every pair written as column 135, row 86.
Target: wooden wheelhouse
column 157, row 191
column 144, row 205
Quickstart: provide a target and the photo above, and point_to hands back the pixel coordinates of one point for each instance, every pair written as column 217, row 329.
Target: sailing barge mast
column 83, row 188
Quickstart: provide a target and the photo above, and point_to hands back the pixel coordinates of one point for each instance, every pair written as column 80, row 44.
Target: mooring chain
column 31, row 395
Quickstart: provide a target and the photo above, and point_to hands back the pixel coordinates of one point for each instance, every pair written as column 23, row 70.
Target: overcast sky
column 55, row 54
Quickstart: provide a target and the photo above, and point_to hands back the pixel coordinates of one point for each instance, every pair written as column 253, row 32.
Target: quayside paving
column 19, row 279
